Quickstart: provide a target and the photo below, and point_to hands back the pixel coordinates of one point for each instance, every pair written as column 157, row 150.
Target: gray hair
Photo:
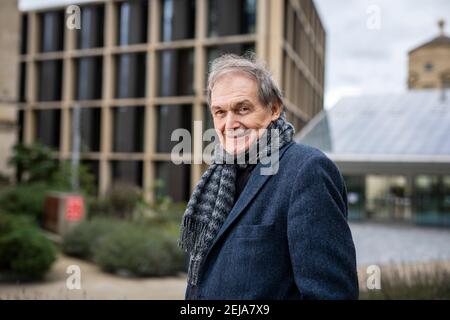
column 269, row 93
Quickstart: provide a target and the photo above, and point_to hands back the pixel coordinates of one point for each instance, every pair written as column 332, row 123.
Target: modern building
column 429, row 64
column 137, row 71
column 393, row 151
column 9, row 75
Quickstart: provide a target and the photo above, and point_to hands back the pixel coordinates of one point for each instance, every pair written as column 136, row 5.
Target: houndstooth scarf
column 213, row 197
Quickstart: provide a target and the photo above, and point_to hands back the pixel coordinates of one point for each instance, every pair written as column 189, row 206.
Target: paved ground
column 382, row 244
column 95, row 284
column 375, row 244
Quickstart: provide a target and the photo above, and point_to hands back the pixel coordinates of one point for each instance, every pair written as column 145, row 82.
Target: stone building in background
column 9, row 46
column 429, row 64
column 137, row 69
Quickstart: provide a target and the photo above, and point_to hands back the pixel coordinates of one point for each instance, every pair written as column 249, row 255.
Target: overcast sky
column 368, row 42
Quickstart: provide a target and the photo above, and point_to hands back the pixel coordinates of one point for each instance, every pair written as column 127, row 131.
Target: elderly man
column 253, row 235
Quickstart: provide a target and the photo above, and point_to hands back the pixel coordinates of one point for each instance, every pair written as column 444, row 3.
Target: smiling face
column 237, row 112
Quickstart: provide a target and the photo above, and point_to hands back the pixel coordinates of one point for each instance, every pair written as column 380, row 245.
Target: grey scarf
column 213, row 197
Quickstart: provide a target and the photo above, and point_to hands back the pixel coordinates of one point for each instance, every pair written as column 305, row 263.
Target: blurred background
column 90, row 92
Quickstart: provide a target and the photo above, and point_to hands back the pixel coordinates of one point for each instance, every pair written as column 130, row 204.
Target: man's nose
column 231, row 121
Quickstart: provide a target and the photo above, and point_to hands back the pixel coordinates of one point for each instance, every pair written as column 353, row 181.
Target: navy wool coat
column 286, row 237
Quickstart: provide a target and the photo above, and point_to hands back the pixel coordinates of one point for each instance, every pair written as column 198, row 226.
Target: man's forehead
column 233, row 90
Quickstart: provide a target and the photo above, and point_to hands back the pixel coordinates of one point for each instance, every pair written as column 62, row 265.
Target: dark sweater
column 242, row 176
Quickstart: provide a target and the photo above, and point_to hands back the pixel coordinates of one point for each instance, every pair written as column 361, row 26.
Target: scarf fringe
column 192, row 231
column 193, row 272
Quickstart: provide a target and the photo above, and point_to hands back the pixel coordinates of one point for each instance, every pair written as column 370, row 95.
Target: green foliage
column 128, row 235
column 62, row 178
column 125, row 246
column 120, row 202
column 80, row 241
column 24, row 200
column 25, row 253
column 140, row 252
column 35, row 163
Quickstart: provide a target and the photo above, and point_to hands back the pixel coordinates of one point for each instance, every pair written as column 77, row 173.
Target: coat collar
column 254, row 184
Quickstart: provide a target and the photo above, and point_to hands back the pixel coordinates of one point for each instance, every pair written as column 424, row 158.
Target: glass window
column 208, row 123
column 91, row 33
column 208, row 119
column 176, row 72
column 52, row 31
column 22, row 82
column 49, row 80
column 24, row 33
column 295, row 38
column 231, row 17
column 90, row 129
column 176, row 180
column 128, row 129
column 48, row 127
column 287, row 10
column 446, row 194
column 431, row 199
column 132, row 17
column 178, row 19
column 20, row 127
column 235, row 48
column 127, row 172
column 427, row 194
column 89, row 78
column 171, row 117
column 428, row 67
column 130, row 79
column 356, row 196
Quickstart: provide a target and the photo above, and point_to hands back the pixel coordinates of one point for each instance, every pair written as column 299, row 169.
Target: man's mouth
column 235, row 134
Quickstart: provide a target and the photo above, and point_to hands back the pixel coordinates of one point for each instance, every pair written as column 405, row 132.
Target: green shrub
column 154, row 214
column 61, row 180
column 139, row 251
column 24, row 200
column 25, row 253
column 119, row 202
column 35, row 162
column 80, row 241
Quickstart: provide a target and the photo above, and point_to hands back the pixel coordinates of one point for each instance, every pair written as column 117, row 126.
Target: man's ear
column 276, row 111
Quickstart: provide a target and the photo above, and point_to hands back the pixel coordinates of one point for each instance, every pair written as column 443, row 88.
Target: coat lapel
column 254, row 184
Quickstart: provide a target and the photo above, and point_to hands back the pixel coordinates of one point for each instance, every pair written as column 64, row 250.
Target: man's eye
column 219, row 112
column 243, row 109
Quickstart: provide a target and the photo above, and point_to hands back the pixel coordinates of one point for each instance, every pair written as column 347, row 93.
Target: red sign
column 74, row 208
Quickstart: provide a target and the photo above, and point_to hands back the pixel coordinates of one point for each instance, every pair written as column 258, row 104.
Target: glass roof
column 411, row 123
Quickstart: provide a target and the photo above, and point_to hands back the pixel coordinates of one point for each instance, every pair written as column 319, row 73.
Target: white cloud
column 366, row 61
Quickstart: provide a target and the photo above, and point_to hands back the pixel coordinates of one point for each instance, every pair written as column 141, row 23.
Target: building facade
column 137, row 70
column 429, row 64
column 9, row 42
column 394, row 153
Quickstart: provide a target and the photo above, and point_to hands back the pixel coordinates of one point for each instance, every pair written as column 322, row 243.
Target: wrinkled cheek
column 237, row 146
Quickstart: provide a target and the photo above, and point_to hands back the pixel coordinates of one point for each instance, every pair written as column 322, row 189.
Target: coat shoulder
column 301, row 156
column 298, row 153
